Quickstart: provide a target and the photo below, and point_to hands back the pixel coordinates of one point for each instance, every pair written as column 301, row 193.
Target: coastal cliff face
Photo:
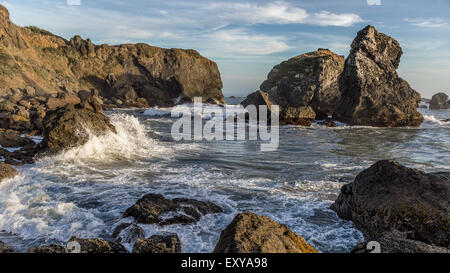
column 44, row 64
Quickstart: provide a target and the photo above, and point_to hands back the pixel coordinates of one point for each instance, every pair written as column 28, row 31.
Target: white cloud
column 279, row 12
column 74, row 2
column 243, row 41
column 374, row 2
column 428, row 23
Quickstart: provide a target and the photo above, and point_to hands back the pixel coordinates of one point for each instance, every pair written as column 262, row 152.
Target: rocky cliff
column 42, row 64
column 439, row 101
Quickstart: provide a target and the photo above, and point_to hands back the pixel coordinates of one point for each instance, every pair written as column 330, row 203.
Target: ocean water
column 84, row 191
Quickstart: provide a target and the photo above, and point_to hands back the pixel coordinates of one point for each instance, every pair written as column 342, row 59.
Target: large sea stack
column 305, row 87
column 40, row 64
column 373, row 94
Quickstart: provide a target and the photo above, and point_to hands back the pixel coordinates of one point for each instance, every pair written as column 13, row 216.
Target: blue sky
column 247, row 38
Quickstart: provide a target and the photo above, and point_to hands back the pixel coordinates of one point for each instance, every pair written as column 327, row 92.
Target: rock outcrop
column 98, row 246
column 169, row 243
column 252, row 233
column 69, row 127
column 305, row 87
column 372, row 92
column 42, row 64
column 311, row 79
column 154, row 209
column 439, row 101
column 390, row 197
column 6, row 171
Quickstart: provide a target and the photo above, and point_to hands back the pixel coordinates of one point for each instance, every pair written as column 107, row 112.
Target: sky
column 248, row 37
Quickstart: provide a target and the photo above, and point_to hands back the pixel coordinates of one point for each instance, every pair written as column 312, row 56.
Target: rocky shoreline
column 404, row 209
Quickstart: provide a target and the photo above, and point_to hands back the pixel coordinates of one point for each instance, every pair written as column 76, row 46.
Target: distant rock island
column 365, row 89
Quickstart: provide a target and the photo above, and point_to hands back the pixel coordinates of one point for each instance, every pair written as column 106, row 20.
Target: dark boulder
column 372, row 92
column 439, row 101
column 388, row 197
column 69, row 127
column 169, row 243
column 152, row 209
column 252, row 233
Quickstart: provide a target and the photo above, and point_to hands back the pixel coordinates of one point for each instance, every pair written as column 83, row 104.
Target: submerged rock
column 69, row 127
column 388, row 197
column 7, row 172
column 98, row 246
column 4, row 248
column 439, row 101
column 252, row 233
column 155, row 208
column 169, row 243
column 372, row 92
column 50, row 249
column 397, row 242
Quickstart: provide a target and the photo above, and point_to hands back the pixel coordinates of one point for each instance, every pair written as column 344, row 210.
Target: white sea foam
column 430, row 119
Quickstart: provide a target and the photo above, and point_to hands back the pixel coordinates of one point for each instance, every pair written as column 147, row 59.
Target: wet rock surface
column 156, row 209
column 128, row 233
column 252, row 233
column 69, row 127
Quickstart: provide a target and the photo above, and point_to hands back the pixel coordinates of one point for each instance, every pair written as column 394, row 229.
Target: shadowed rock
column 372, row 92
column 252, row 233
column 388, row 197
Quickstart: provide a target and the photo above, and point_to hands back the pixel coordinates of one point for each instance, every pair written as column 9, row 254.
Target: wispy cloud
column 279, row 12
column 374, row 2
column 428, row 23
